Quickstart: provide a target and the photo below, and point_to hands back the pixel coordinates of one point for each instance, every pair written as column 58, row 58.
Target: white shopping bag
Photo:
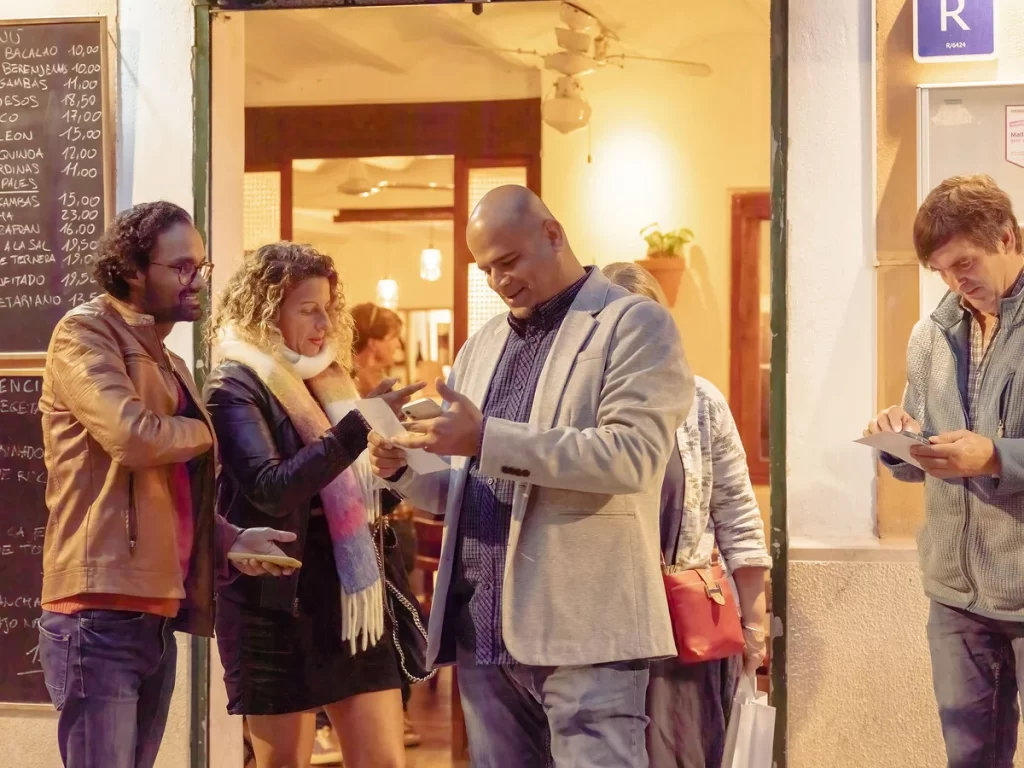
column 751, row 732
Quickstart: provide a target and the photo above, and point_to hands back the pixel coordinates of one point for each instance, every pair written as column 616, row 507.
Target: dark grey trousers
column 520, row 716
column 689, row 707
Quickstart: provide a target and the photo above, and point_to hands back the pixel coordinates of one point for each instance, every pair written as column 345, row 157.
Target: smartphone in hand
column 419, row 410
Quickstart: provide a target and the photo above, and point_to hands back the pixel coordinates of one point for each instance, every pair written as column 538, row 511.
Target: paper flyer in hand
column 383, row 420
column 897, row 444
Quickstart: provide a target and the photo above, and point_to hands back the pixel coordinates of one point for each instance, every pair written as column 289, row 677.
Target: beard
column 179, row 308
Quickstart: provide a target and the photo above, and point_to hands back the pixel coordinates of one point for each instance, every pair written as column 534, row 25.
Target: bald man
column 559, row 421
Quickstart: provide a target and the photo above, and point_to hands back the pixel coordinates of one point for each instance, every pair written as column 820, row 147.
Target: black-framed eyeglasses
column 187, row 270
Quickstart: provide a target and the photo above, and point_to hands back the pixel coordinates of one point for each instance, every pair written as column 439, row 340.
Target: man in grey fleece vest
column 963, row 395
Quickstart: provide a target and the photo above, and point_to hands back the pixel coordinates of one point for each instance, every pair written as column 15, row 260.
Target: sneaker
column 412, row 738
column 326, row 750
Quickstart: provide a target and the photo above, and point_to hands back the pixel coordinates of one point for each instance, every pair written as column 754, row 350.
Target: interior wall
column 410, row 74
column 150, row 48
column 670, row 149
column 333, row 84
column 901, row 506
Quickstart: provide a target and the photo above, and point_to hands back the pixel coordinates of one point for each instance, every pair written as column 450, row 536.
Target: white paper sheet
column 383, row 420
column 896, row 443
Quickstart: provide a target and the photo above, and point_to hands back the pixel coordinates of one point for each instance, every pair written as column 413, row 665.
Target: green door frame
column 777, row 408
column 200, row 664
column 199, row 673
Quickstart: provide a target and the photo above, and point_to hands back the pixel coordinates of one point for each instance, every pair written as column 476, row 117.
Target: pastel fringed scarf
column 316, row 393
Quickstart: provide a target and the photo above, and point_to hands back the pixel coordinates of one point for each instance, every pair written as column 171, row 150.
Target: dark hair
column 972, row 207
column 373, row 322
column 126, row 246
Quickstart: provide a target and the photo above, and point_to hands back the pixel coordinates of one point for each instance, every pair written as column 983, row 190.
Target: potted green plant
column 665, row 257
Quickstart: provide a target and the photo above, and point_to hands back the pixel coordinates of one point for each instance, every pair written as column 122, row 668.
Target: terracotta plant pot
column 668, row 271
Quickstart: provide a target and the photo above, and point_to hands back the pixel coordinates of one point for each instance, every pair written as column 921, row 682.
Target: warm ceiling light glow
column 430, row 264
column 387, row 293
column 636, row 178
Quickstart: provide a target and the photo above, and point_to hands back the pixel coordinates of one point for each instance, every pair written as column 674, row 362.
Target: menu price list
column 52, row 163
column 22, row 527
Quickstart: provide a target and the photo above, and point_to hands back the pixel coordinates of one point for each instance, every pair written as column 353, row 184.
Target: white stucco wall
column 836, row 676
column 154, row 147
column 831, row 367
column 150, row 50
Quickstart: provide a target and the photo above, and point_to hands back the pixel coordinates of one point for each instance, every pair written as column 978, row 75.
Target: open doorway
column 372, row 132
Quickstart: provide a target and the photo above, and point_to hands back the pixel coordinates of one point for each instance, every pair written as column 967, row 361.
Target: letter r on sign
column 954, row 14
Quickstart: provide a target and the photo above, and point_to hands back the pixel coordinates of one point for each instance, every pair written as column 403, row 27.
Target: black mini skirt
column 278, row 663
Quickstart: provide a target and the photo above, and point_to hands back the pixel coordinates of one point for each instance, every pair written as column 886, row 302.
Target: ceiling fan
column 585, row 46
column 359, row 183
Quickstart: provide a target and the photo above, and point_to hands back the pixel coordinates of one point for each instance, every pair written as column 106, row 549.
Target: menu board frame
column 30, row 363
column 24, row 706
column 33, row 359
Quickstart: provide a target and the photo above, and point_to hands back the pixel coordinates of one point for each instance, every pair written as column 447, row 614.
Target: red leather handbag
column 705, row 619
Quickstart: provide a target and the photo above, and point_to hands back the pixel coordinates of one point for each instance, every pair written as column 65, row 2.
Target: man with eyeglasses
column 133, row 546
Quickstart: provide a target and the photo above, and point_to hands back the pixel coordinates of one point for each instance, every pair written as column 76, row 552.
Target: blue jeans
column 519, row 715
column 110, row 674
column 977, row 672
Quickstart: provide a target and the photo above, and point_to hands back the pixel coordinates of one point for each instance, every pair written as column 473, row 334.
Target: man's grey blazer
column 582, row 578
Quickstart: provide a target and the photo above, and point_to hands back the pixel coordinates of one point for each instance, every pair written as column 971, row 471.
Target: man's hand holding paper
column 961, row 453
column 387, row 430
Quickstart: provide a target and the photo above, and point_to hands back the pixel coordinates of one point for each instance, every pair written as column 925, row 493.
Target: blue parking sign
column 954, row 30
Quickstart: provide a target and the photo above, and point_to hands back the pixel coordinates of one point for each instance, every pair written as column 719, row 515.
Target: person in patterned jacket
column 708, row 510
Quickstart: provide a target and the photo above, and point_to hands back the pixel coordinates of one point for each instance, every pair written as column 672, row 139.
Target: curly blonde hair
column 251, row 300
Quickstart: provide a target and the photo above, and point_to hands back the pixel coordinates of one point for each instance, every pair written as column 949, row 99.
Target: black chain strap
column 392, row 591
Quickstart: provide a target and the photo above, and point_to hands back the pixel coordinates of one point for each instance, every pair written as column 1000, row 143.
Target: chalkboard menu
column 54, row 170
column 22, row 524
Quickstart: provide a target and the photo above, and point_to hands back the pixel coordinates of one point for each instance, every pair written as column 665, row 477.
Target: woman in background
column 375, row 345
column 708, row 505
column 282, row 408
column 376, row 341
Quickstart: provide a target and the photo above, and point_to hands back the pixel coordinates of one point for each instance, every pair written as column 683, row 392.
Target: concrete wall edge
column 867, row 550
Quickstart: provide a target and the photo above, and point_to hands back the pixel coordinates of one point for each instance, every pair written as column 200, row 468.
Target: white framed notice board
column 965, row 128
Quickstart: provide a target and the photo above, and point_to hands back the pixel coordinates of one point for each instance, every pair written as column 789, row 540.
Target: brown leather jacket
column 110, row 437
